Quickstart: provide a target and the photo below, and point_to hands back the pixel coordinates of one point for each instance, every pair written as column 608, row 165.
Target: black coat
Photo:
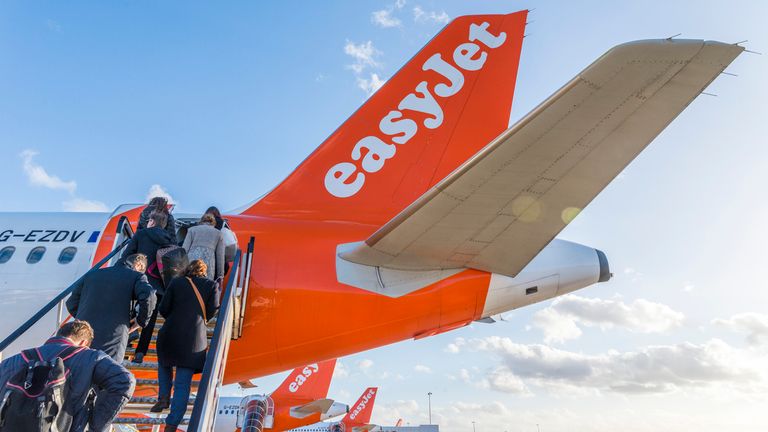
column 147, row 241
column 103, row 298
column 88, row 368
column 170, row 227
column 183, row 339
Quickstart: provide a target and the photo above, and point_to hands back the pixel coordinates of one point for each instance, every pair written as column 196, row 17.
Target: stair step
column 145, row 420
column 154, row 382
column 140, row 366
column 151, row 400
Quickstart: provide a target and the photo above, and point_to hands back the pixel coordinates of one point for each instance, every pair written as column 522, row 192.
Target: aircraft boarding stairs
column 227, row 325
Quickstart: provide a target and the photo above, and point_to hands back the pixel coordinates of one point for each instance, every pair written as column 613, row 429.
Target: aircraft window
column 6, row 253
column 35, row 255
column 67, row 255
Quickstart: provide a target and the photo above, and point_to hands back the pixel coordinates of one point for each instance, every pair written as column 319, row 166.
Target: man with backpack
column 52, row 387
column 104, row 297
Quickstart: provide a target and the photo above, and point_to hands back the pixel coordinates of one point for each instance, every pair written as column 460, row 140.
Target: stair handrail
column 55, row 301
column 204, row 409
column 246, row 283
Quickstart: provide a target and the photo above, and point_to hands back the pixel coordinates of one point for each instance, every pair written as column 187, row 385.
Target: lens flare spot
column 569, row 214
column 526, row 208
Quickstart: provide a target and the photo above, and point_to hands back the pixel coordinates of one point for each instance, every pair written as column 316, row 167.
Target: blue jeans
column 181, row 388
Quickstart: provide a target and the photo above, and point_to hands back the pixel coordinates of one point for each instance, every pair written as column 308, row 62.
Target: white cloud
column 38, row 176
column 456, row 345
column 422, row 368
column 384, row 18
column 84, row 205
column 652, row 369
column 364, row 55
column 365, row 364
column 340, row 371
column 400, row 4
column 504, row 380
column 420, row 15
column 755, row 325
column 158, row 191
column 559, row 322
column 370, row 85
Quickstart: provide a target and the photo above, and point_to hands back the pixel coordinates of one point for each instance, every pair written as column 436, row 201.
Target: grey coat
column 206, row 243
column 87, row 369
column 103, row 298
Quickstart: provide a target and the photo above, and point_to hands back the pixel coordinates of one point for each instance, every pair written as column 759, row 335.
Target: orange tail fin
column 310, row 382
column 360, row 412
column 451, row 99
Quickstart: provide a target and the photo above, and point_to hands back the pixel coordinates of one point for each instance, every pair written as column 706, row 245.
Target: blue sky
column 216, row 103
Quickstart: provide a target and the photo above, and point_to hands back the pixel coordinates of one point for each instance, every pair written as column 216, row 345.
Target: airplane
column 300, row 400
column 357, row 420
column 423, row 212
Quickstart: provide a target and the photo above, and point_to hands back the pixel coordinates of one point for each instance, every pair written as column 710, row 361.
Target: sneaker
column 138, row 358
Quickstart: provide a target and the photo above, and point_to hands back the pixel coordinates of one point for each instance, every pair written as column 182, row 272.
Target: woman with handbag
column 182, row 342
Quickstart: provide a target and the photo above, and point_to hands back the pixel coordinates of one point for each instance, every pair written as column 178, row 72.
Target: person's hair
column 214, row 211
column 160, row 218
column 136, row 258
column 159, row 204
column 76, row 330
column 208, row 219
column 197, row 268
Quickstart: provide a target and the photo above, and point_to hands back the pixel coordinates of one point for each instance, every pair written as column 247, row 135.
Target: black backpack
column 34, row 396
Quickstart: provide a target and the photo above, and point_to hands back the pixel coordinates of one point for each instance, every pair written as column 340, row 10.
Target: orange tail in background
column 360, row 412
column 442, row 107
column 308, row 383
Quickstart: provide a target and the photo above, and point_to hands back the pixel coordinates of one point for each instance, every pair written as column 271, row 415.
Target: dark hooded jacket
column 87, row 369
column 170, row 227
column 147, row 241
column 103, row 298
column 183, row 339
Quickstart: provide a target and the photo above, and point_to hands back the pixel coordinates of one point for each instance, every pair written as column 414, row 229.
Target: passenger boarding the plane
column 182, row 341
column 230, row 240
column 206, row 243
column 147, row 242
column 103, row 298
column 158, row 204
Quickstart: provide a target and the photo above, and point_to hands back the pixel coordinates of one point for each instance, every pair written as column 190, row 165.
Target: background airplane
column 300, row 400
column 357, row 419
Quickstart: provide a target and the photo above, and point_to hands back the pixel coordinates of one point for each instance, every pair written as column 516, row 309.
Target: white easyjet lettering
column 363, row 403
column 302, row 377
column 345, row 179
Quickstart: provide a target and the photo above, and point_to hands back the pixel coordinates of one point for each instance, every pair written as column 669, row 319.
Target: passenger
column 147, row 241
column 230, row 240
column 159, row 204
column 205, row 242
column 217, row 215
column 182, row 342
column 88, row 368
column 103, row 298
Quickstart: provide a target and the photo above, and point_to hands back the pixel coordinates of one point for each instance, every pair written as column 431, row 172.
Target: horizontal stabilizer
column 315, row 407
column 500, row 208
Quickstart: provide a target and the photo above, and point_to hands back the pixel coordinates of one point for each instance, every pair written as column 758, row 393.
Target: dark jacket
column 170, row 227
column 88, row 369
column 147, row 241
column 103, row 298
column 183, row 339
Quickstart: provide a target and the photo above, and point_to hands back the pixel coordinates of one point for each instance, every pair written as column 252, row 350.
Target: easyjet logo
column 363, row 403
column 370, row 154
column 302, row 377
